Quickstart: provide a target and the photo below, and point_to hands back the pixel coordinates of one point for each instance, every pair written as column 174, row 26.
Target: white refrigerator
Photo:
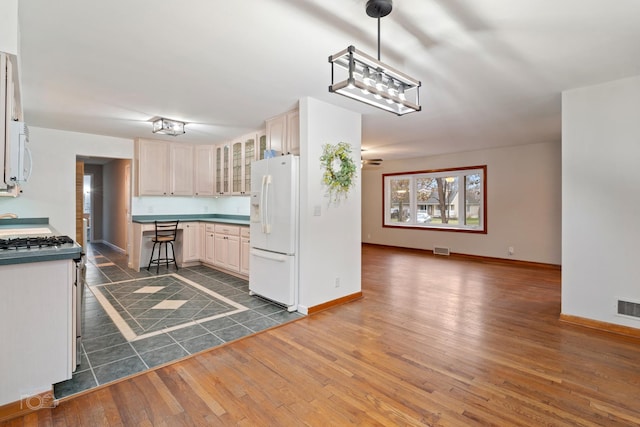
column 273, row 264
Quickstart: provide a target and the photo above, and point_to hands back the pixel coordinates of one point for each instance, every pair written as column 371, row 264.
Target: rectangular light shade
column 168, row 127
column 368, row 80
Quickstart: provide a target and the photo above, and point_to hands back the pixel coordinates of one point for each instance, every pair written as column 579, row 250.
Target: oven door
column 79, row 278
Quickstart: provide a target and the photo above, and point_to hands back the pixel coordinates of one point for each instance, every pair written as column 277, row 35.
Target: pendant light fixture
column 367, row 79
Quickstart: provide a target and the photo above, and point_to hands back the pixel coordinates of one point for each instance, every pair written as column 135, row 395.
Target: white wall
column 50, row 191
column 9, row 35
column 601, row 208
column 330, row 246
column 523, row 204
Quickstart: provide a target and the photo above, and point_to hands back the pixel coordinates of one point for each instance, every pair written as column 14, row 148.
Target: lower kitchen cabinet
column 245, row 247
column 227, row 247
column 209, row 244
column 191, row 236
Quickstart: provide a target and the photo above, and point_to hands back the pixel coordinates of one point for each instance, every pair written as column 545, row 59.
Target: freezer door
column 273, row 276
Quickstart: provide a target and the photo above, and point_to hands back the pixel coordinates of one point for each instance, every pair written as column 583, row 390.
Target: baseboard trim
column 478, row 258
column 343, row 300
column 601, row 326
column 27, row 405
column 111, row 245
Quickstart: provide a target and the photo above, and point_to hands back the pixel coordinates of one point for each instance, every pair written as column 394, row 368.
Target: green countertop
column 227, row 219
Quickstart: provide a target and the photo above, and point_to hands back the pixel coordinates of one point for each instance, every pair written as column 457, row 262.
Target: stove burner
column 34, row 242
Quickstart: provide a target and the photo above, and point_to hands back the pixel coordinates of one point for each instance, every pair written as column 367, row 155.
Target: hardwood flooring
column 434, row 341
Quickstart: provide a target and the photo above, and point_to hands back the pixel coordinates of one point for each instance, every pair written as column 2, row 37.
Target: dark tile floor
column 217, row 310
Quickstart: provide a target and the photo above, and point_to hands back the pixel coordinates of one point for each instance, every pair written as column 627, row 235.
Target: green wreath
column 339, row 169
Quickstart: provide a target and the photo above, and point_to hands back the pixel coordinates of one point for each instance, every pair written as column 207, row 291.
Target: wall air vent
column 439, row 250
column 628, row 308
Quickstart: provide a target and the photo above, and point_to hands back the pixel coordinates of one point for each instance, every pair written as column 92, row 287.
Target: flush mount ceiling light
column 369, row 80
column 168, row 127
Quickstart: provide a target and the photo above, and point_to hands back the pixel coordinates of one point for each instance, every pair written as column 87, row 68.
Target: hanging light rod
column 371, row 81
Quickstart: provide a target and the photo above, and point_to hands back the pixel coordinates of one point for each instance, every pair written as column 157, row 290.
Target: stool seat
column 165, row 234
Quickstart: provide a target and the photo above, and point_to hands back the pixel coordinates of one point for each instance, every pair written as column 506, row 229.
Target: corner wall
column 330, row 247
column 601, row 210
column 523, row 204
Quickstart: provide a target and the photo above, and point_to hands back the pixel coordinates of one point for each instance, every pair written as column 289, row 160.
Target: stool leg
column 166, row 255
column 174, row 256
column 151, row 259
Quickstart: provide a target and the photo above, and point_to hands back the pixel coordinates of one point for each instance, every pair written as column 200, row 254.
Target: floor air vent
column 441, row 251
column 629, row 308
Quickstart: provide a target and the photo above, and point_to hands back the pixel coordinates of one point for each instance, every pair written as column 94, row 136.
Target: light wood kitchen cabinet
column 209, row 244
column 223, row 160
column 245, row 247
column 164, row 169
column 180, row 169
column 227, row 247
column 283, row 133
column 261, row 144
column 191, row 237
column 152, row 165
column 243, row 153
column 204, row 170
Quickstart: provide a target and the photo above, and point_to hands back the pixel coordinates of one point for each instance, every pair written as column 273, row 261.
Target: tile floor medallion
column 135, row 320
column 171, row 303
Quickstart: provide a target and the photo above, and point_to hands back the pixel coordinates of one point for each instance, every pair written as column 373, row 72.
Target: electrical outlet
column 368, row 235
column 337, row 282
column 511, row 250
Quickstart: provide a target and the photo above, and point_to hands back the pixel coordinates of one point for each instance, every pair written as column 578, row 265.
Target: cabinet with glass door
column 223, row 161
column 243, row 153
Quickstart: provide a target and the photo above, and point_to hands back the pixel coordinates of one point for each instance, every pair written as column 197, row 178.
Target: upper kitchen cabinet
column 222, row 161
column 243, row 153
column 261, row 144
column 164, row 169
column 283, row 133
column 204, row 176
column 152, row 166
column 180, row 169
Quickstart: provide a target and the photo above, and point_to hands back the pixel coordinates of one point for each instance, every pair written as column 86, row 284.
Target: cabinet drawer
column 228, row 229
column 244, row 232
column 210, row 228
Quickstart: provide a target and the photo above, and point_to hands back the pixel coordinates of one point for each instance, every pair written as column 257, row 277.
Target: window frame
column 461, row 173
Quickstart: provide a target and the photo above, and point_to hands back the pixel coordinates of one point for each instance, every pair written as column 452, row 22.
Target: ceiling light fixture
column 371, row 81
column 168, row 127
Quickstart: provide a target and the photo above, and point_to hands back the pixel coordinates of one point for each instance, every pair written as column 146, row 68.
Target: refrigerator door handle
column 266, row 225
column 269, row 255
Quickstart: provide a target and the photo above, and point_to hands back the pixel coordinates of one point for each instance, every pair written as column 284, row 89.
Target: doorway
column 87, row 213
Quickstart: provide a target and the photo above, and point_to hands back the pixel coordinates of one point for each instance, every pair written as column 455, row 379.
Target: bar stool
column 166, row 232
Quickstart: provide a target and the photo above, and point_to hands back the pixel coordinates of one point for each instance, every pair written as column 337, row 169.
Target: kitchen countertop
column 221, row 218
column 20, row 227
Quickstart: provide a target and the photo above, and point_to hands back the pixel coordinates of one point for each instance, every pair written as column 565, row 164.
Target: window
column 445, row 199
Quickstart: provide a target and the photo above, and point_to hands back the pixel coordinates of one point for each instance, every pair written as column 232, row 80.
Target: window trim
column 442, row 171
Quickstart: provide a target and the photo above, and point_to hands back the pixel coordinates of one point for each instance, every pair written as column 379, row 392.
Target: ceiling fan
column 373, row 162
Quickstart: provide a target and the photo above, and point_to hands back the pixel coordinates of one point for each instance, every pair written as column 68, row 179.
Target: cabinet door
column 191, row 242
column 181, row 170
column 237, row 166
column 293, row 133
column 276, row 133
column 220, row 257
column 153, row 167
column 245, row 247
column 249, row 155
column 209, row 247
column 262, row 145
column 233, row 253
column 204, row 163
column 222, row 168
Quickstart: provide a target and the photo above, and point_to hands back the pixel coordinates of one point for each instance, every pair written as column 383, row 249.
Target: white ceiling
column 492, row 70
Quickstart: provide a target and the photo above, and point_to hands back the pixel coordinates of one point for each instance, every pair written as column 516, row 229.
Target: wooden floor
column 434, row 341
